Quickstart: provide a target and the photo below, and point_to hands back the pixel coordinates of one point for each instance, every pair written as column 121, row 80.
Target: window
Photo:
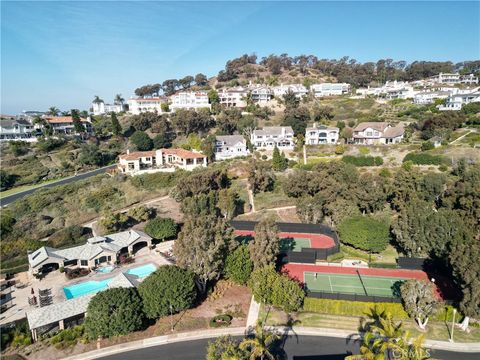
column 147, row 159
column 369, row 133
column 84, row 262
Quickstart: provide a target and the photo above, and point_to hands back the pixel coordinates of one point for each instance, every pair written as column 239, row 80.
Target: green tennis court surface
column 294, row 244
column 351, row 284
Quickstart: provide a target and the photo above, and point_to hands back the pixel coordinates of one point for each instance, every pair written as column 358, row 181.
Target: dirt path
column 461, row 137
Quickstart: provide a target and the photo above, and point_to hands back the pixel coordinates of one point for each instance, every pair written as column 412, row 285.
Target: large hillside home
column 97, row 250
column 189, row 100
column 321, row 134
column 146, row 104
column 161, row 160
column 100, row 108
column 233, row 97
column 271, row 136
column 373, row 133
column 16, row 130
column 230, row 146
column 298, row 89
column 445, row 78
column 455, row 102
column 260, row 94
column 429, row 97
column 64, row 124
column 330, row 89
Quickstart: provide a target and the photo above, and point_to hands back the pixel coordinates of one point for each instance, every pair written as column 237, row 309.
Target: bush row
column 363, row 160
column 425, row 159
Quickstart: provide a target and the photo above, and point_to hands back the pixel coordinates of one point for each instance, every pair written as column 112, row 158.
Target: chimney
column 128, row 151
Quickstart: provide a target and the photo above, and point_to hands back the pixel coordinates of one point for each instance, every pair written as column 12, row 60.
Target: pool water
column 142, row 271
column 90, row 287
column 84, row 288
column 105, row 269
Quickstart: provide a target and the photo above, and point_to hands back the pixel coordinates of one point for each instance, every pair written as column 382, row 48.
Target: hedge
column 363, row 160
column 383, row 265
column 425, row 159
column 360, row 308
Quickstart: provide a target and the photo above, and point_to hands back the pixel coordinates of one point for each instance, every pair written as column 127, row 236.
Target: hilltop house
column 230, row 146
column 161, row 160
column 17, row 130
column 271, row 136
column 428, row 97
column 372, row 133
column 298, row 89
column 64, row 124
column 97, row 250
column 100, row 108
column 189, row 100
column 321, row 134
column 455, row 102
column 329, row 89
column 233, row 97
column 146, row 104
column 446, row 78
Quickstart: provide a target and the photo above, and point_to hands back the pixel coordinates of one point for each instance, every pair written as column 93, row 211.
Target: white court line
column 331, row 288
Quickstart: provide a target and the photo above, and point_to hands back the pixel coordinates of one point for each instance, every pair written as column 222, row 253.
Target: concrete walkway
column 253, row 312
column 461, row 137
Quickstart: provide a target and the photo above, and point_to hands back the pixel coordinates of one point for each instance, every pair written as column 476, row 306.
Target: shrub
column 339, row 149
column 140, row 213
column 76, row 273
column 365, row 233
column 364, row 150
column 161, row 229
column 114, row 312
column 407, row 165
column 425, row 159
column 238, row 265
column 221, row 321
column 427, row 145
column 168, row 286
column 363, row 160
column 141, row 141
column 156, row 181
column 68, row 337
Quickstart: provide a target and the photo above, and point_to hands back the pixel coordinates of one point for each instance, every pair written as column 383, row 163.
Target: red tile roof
column 61, row 119
column 137, row 155
column 185, row 154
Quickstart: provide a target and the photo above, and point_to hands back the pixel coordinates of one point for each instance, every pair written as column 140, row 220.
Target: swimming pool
column 142, row 271
column 105, row 269
column 84, row 288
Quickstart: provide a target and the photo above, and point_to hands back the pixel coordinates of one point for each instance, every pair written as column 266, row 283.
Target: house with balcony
column 330, row 89
column 12, row 129
column 161, row 160
column 321, row 134
column 452, row 79
column 233, row 97
column 144, row 104
column 429, row 97
column 189, row 100
column 260, row 93
column 455, row 102
column 376, row 133
column 230, row 146
column 271, row 136
column 64, row 124
column 100, row 108
column 298, row 89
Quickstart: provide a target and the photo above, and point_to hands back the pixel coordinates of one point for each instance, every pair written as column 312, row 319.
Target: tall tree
column 260, row 346
column 265, row 247
column 201, row 79
column 186, row 82
column 116, row 127
column 202, row 246
column 77, row 122
column 279, row 161
column 97, row 100
column 119, row 100
column 53, row 111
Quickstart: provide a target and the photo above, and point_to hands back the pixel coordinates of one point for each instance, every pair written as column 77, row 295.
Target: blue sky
column 63, row 53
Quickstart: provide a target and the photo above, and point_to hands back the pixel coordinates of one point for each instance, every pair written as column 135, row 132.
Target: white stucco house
column 161, row 160
column 260, row 93
column 100, row 108
column 11, row 130
column 455, row 102
column 298, row 89
column 373, row 133
column 233, row 97
column 97, row 250
column 271, row 136
column 429, row 97
column 455, row 78
column 64, row 124
column 189, row 100
column 321, row 134
column 230, row 146
column 330, row 89
column 138, row 105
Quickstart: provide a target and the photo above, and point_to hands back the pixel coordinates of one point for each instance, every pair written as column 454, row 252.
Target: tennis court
column 352, row 284
column 294, row 244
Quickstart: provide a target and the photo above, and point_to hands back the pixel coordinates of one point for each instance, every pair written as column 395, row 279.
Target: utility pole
column 171, row 318
column 453, row 324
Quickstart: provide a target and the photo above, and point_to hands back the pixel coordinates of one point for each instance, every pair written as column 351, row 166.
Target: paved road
column 11, row 198
column 301, row 348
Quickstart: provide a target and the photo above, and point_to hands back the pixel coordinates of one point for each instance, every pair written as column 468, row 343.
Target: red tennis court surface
column 296, row 271
column 317, row 241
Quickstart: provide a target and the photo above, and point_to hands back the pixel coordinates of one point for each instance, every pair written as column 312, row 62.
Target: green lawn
column 389, row 255
column 269, row 200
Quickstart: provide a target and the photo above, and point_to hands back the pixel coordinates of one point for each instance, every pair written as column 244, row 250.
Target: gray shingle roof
column 273, row 130
column 231, row 140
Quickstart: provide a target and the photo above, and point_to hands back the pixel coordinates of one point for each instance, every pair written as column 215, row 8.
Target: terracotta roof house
column 373, row 133
column 161, row 160
column 64, row 124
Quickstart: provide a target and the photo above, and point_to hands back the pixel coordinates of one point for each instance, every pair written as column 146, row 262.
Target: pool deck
column 56, row 281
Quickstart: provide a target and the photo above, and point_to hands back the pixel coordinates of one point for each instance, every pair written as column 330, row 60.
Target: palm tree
column 97, row 100
column 367, row 349
column 119, row 99
column 53, row 111
column 261, row 345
